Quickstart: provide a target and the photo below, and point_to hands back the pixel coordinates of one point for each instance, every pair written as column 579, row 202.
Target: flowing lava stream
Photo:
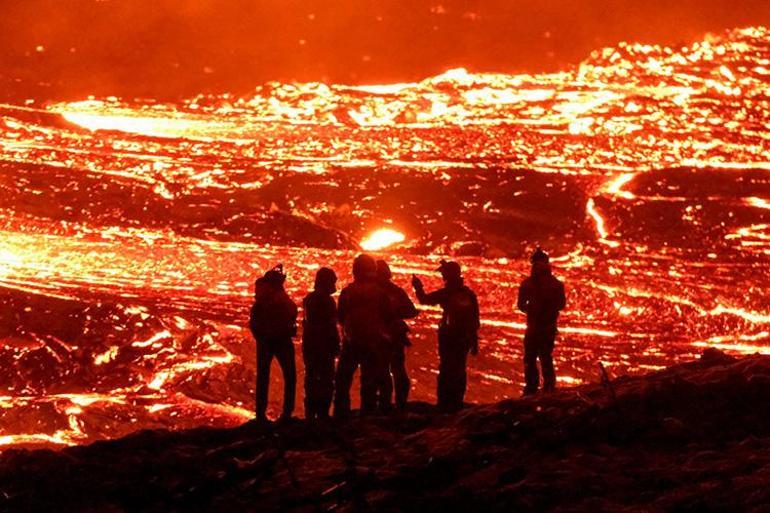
column 132, row 231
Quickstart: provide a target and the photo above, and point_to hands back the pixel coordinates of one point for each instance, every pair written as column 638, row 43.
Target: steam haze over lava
column 171, row 48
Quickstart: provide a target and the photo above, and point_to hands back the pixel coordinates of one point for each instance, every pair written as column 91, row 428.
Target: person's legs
column 451, row 372
column 462, row 377
column 531, row 375
column 371, row 380
column 325, row 386
column 401, row 381
column 444, row 367
column 546, row 361
column 382, row 375
column 343, row 379
column 311, row 386
column 441, row 382
column 385, row 391
column 454, row 360
column 264, row 359
column 285, row 356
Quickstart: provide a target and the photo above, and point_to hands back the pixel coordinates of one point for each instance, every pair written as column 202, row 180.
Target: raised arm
column 433, row 298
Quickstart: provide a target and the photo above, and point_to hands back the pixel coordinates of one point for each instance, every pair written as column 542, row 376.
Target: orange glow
column 600, row 223
column 381, row 239
column 95, row 115
column 615, row 188
column 132, row 231
column 759, row 203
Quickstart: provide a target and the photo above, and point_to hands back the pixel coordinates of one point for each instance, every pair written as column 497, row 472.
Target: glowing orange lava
column 132, row 231
column 381, row 239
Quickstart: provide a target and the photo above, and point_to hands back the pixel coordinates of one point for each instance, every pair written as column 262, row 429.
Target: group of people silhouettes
column 372, row 312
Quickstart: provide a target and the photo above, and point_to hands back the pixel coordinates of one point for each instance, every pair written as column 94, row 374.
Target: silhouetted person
column 541, row 297
column 364, row 311
column 398, row 334
column 457, row 332
column 320, row 344
column 273, row 322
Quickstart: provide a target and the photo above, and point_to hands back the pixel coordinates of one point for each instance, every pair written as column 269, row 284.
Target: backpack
column 365, row 322
column 273, row 315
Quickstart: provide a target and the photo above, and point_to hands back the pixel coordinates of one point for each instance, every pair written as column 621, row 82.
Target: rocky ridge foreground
column 691, row 438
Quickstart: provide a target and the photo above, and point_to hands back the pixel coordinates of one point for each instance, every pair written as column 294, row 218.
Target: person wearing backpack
column 364, row 312
column 457, row 332
column 320, row 344
column 541, row 297
column 273, row 323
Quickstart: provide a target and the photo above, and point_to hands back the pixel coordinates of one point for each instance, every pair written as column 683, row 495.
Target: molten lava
column 381, row 239
column 133, row 231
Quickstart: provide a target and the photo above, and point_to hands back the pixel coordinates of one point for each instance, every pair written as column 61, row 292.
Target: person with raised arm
column 457, row 332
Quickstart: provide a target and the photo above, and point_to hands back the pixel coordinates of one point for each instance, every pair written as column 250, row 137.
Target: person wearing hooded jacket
column 541, row 297
column 457, row 332
column 398, row 337
column 273, row 322
column 364, row 311
column 320, row 344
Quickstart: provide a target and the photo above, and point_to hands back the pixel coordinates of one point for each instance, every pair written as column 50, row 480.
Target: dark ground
column 692, row 438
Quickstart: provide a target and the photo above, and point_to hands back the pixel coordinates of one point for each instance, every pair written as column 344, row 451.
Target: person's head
column 539, row 256
column 450, row 272
column 271, row 280
column 540, row 263
column 383, row 271
column 275, row 276
column 325, row 281
column 364, row 268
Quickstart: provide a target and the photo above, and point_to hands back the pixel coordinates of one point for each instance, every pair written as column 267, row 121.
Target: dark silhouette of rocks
column 694, row 437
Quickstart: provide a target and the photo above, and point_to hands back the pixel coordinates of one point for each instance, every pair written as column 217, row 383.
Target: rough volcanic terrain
column 693, row 437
